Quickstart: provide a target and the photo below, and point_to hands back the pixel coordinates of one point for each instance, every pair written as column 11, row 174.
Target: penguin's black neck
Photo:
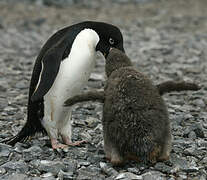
column 115, row 60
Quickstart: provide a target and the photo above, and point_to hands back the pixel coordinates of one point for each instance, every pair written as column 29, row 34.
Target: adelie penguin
column 62, row 68
column 135, row 120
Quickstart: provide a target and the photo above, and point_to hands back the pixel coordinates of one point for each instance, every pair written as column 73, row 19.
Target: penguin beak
column 103, row 48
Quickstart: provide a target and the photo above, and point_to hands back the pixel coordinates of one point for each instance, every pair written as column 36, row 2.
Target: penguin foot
column 67, row 141
column 77, row 143
column 57, row 145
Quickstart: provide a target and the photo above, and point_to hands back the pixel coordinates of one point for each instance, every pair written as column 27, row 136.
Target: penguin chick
column 135, row 118
column 136, row 125
column 62, row 68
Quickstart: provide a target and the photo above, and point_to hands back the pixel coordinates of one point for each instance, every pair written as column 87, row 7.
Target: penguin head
column 116, row 59
column 109, row 36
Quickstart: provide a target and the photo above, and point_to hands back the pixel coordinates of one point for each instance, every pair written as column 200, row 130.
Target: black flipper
column 50, row 67
column 170, row 86
column 88, row 96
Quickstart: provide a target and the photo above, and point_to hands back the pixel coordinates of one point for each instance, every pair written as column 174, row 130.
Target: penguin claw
column 77, row 143
column 68, row 141
column 56, row 145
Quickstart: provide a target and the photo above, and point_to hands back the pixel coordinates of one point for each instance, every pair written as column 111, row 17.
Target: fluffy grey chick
column 135, row 118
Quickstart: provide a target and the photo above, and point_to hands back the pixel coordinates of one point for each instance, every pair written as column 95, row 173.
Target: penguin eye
column 111, row 41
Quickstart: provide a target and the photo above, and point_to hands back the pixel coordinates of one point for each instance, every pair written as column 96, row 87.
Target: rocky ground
column 166, row 40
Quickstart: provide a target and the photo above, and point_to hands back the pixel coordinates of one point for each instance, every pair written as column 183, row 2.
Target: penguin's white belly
column 72, row 76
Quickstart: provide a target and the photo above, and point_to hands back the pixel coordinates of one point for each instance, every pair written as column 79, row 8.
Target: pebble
column 65, row 175
column 5, row 150
column 91, row 122
column 133, row 170
column 2, row 170
column 128, row 175
column 163, row 167
column 16, row 176
column 19, row 166
column 49, row 166
column 153, row 175
column 108, row 170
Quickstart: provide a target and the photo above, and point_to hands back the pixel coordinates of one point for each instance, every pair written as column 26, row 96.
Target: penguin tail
column 22, row 136
column 26, row 132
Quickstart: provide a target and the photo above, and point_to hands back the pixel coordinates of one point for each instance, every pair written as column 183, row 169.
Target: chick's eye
column 111, row 41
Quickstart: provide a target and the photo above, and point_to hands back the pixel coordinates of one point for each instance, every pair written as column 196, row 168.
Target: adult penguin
column 62, row 68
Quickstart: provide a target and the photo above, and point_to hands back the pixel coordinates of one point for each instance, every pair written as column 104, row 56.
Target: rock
column 153, row 175
column 88, row 173
column 198, row 129
column 128, row 175
column 193, row 131
column 199, row 103
column 2, row 171
column 183, row 165
column 16, row 176
column 192, row 135
column 22, row 85
column 5, row 150
column 133, row 170
column 163, row 168
column 83, row 163
column 108, row 170
column 91, row 122
column 86, row 136
column 34, row 149
column 49, row 166
column 189, row 151
column 19, row 166
column 191, row 169
column 65, row 175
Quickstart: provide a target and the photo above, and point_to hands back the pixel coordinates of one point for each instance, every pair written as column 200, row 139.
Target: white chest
column 73, row 74
column 75, row 70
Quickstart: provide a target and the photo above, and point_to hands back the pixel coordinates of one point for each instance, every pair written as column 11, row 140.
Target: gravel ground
column 166, row 40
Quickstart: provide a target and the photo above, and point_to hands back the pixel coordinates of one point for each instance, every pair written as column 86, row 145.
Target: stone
column 91, row 122
column 2, row 171
column 133, row 170
column 49, row 166
column 83, row 163
column 108, row 170
column 128, row 175
column 198, row 129
column 16, row 176
column 65, row 175
column 162, row 167
column 88, row 173
column 189, row 151
column 153, row 175
column 5, row 150
column 193, row 131
column 19, row 166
